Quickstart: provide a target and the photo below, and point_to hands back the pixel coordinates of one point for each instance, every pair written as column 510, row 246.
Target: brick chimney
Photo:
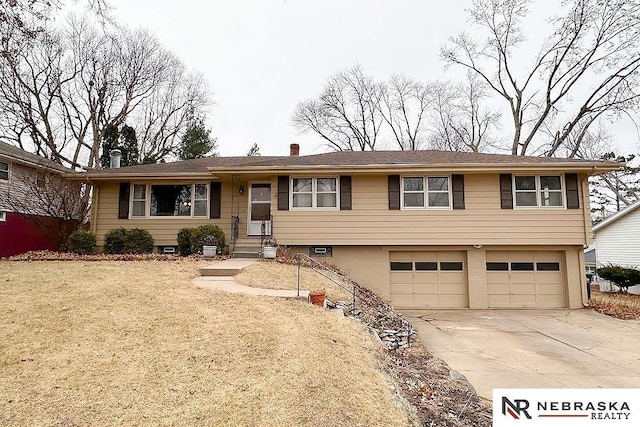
column 294, row 150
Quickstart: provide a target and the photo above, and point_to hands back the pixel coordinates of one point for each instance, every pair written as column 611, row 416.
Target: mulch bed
column 67, row 256
column 620, row 306
column 440, row 396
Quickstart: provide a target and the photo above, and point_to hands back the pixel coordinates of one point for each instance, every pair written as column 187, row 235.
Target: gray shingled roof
column 342, row 159
column 20, row 156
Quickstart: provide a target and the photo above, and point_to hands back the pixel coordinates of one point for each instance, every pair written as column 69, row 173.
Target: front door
column 259, row 208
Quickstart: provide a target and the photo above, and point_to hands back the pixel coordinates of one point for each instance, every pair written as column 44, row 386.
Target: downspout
column 587, row 236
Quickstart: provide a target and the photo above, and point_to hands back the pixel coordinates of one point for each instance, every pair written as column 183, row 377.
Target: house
column 19, row 170
column 423, row 229
column 616, row 240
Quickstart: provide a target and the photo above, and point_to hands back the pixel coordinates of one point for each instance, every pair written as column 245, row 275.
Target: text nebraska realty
column 598, row 410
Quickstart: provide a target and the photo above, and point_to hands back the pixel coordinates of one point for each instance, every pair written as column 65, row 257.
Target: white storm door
column 259, row 208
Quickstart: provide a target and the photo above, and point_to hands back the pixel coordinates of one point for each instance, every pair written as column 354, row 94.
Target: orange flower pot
column 317, row 298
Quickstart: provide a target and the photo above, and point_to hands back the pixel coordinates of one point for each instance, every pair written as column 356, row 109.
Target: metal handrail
column 325, row 272
column 357, row 293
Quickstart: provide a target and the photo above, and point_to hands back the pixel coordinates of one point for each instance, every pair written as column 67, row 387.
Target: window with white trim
column 431, row 192
column 314, row 193
column 4, row 171
column 139, row 203
column 3, row 216
column 538, row 191
column 170, row 200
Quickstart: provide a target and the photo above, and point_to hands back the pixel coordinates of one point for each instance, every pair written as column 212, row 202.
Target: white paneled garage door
column 428, row 279
column 526, row 279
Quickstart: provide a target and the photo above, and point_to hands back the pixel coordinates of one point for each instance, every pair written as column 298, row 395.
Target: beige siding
column 482, row 222
column 164, row 230
column 369, row 266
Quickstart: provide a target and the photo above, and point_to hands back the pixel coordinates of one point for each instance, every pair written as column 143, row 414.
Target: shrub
column 199, row 237
column 114, row 241
column 81, row 242
column 184, row 241
column 138, row 241
column 620, row 276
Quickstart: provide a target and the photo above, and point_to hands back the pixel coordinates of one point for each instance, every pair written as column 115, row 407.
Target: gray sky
column 262, row 57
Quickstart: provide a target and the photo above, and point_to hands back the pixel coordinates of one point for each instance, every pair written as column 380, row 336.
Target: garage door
column 526, row 279
column 428, row 279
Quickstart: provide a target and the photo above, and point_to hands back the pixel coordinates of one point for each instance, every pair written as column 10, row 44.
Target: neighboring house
column 616, row 240
column 18, row 169
column 423, row 229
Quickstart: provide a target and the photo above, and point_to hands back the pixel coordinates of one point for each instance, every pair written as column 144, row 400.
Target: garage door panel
column 548, row 290
column 429, row 288
column 524, row 289
column 426, row 277
column 452, row 301
column 550, row 301
column 524, row 300
column 536, row 288
column 401, row 277
column 499, row 301
column 403, row 300
column 426, row 289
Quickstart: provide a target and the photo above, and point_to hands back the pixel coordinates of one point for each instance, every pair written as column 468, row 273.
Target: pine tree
column 109, row 142
column 128, row 146
column 254, row 150
column 196, row 142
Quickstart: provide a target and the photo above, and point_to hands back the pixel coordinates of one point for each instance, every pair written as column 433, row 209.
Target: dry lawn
column 276, row 275
column 622, row 306
column 135, row 343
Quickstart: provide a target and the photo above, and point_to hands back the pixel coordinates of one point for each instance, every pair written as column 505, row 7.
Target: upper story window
column 431, row 192
column 4, row 171
column 314, row 193
column 184, row 200
column 3, row 216
column 538, row 191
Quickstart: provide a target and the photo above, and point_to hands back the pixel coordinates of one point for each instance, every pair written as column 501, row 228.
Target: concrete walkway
column 220, row 276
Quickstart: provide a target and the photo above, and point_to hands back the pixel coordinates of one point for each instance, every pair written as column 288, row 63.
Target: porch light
column 241, row 190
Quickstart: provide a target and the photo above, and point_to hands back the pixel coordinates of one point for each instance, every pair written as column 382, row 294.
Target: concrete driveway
column 533, row 348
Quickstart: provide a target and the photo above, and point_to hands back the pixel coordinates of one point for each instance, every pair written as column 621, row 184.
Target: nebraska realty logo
column 566, row 407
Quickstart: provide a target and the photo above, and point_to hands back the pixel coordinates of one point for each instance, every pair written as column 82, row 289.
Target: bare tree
column 404, row 108
column 62, row 90
column 347, row 114
column 614, row 191
column 586, row 68
column 55, row 206
column 459, row 120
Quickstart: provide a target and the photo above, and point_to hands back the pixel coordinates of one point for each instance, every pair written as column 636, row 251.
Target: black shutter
column 123, row 200
column 457, row 184
column 283, row 193
column 345, row 193
column 394, row 192
column 571, row 183
column 506, row 194
column 215, row 199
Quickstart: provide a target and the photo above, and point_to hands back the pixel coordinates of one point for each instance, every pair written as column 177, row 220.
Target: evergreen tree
column 109, row 142
column 128, row 146
column 196, row 142
column 254, row 150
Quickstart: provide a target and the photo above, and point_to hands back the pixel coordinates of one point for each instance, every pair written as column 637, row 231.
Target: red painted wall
column 18, row 236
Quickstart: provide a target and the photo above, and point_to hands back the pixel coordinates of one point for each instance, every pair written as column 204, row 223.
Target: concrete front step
column 229, row 267
column 247, row 255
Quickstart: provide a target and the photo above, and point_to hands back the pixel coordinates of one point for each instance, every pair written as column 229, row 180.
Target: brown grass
column 276, row 275
column 622, row 306
column 135, row 343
